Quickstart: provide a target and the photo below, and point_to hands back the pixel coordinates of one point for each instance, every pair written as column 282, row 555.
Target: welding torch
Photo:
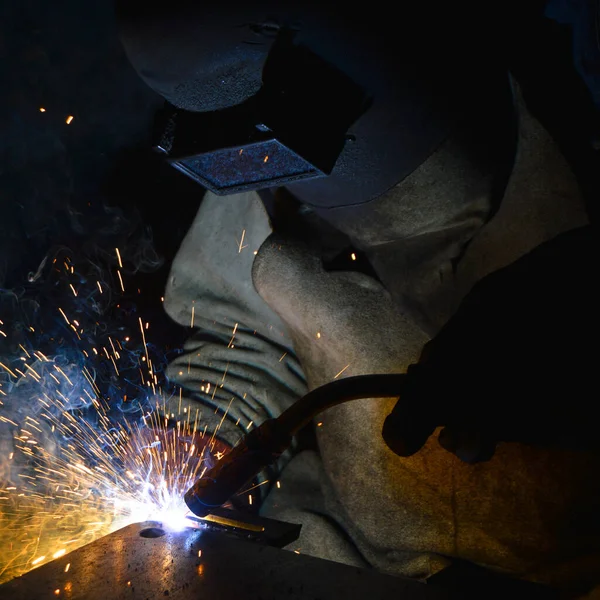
column 265, row 444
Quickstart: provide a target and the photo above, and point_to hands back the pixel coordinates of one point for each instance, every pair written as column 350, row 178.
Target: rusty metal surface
column 126, row 566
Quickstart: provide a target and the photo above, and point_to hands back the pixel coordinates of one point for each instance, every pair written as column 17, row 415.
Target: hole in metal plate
column 152, row 532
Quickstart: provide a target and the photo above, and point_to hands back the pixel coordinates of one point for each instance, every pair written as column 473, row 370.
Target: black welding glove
column 516, row 363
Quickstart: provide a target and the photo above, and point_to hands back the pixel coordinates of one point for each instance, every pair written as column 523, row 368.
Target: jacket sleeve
column 238, row 368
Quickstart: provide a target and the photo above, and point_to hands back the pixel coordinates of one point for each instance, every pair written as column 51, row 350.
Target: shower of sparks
column 107, row 476
column 73, row 472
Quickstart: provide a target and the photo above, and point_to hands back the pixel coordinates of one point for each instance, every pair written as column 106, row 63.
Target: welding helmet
column 336, row 102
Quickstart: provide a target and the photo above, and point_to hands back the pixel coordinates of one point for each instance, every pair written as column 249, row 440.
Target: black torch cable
column 264, row 444
column 337, row 392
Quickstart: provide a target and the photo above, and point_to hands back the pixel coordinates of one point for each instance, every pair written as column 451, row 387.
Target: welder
column 379, row 199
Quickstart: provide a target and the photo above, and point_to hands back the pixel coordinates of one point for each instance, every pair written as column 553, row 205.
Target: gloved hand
column 514, row 364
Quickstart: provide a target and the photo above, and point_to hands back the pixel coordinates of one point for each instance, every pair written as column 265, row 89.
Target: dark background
column 92, row 185
column 56, row 180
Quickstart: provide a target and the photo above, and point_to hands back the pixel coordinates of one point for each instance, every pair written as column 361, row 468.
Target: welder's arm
column 515, row 363
column 238, row 367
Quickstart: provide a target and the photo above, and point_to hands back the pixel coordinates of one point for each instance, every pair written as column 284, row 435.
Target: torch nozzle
column 258, row 449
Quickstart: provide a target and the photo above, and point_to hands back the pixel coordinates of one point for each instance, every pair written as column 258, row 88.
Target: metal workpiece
column 143, row 561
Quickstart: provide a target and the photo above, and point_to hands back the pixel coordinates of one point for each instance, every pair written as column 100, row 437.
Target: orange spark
column 341, row 371
column 241, row 245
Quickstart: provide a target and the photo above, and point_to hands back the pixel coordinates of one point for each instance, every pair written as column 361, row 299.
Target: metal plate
column 126, row 566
